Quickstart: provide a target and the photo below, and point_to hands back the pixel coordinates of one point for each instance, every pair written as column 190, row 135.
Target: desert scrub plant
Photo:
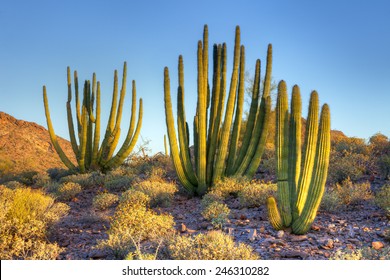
column 103, row 201
column 42, row 179
column 87, row 180
column 353, row 193
column 68, row 191
column 382, row 199
column 215, row 245
column 365, row 253
column 217, row 213
column 135, row 197
column 256, row 194
column 216, row 134
column 25, row 216
column 118, row 184
column 331, row 201
column 161, row 193
column 15, row 185
column 90, row 152
column 134, row 222
column 300, row 184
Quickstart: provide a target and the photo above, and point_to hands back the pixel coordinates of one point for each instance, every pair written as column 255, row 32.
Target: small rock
column 315, row 227
column 210, row 228
column 298, row 238
column 243, row 217
column 294, row 254
column 252, row 234
column 330, row 226
column 229, row 230
column 204, row 225
column 180, row 217
column 262, row 229
column 183, row 228
column 351, row 232
column 280, row 234
column 97, row 254
column 377, row 245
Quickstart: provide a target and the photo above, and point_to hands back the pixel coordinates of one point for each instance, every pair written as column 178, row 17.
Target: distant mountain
column 26, row 146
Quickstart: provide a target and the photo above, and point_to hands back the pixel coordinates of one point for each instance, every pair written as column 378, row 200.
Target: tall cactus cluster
column 217, row 152
column 90, row 153
column 301, row 183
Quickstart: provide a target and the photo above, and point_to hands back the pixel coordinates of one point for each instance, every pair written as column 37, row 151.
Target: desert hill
column 26, row 146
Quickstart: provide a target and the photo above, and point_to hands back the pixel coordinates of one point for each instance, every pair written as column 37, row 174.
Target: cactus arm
column 251, row 118
column 219, row 168
column 318, row 180
column 165, row 145
column 88, row 157
column 273, row 214
column 238, row 115
column 181, row 128
column 172, row 135
column 281, row 149
column 72, row 135
column 124, row 152
column 217, row 106
column 84, row 130
column 96, row 139
column 309, row 153
column 77, row 100
column 201, row 163
column 256, row 146
column 52, row 134
column 262, row 139
column 294, row 161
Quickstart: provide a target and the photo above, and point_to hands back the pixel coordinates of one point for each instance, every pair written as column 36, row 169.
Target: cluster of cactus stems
column 216, row 150
column 301, row 184
column 89, row 152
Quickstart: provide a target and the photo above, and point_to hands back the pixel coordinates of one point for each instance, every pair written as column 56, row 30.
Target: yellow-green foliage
column 103, row 201
column 214, row 245
column 256, row 194
column 133, row 223
column 119, row 183
column 349, row 255
column 87, row 180
column 25, row 215
column 14, row 185
column 159, row 191
column 365, row 253
column 135, row 197
column 331, row 201
column 67, row 191
column 229, row 186
column 353, row 193
column 217, row 213
column 382, row 198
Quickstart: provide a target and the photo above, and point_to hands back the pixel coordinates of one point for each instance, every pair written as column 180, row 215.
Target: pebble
column 377, row 245
column 298, row 238
column 252, row 235
column 183, row 228
column 280, row 234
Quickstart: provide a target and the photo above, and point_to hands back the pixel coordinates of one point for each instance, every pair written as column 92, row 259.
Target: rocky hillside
column 26, row 146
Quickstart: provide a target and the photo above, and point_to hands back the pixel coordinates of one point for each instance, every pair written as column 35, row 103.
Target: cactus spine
column 215, row 131
column 300, row 186
column 89, row 153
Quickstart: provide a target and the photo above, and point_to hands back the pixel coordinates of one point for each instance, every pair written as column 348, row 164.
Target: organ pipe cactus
column 216, row 148
column 90, row 154
column 300, row 184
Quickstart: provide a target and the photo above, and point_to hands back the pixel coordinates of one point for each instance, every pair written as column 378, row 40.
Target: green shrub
column 347, row 254
column 346, row 165
column 87, row 180
column 256, row 194
column 14, row 185
column 118, row 184
column 135, row 197
column 214, row 245
column 217, row 213
column 160, row 192
column 25, row 215
column 42, row 179
column 229, row 186
column 331, row 201
column 133, row 223
column 68, row 191
column 104, row 200
column 382, row 198
column 353, row 193
column 365, row 253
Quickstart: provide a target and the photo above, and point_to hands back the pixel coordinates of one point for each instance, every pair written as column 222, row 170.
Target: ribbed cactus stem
column 273, row 213
column 165, row 145
column 318, row 180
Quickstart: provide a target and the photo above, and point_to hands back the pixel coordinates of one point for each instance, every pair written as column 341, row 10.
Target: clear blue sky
column 339, row 48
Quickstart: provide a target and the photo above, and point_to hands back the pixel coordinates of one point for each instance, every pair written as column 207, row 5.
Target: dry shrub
column 382, row 198
column 353, row 193
column 217, row 213
column 256, row 194
column 103, row 201
column 133, row 223
column 25, row 215
column 87, row 180
column 68, row 191
column 118, row 183
column 160, row 192
column 215, row 245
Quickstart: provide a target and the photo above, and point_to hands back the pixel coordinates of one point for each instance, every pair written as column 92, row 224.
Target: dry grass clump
column 382, row 198
column 25, row 215
column 87, row 180
column 14, row 185
column 135, row 197
column 161, row 193
column 215, row 245
column 68, row 191
column 217, row 213
column 133, row 223
column 366, row 253
column 256, row 194
column 103, row 201
column 118, row 183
